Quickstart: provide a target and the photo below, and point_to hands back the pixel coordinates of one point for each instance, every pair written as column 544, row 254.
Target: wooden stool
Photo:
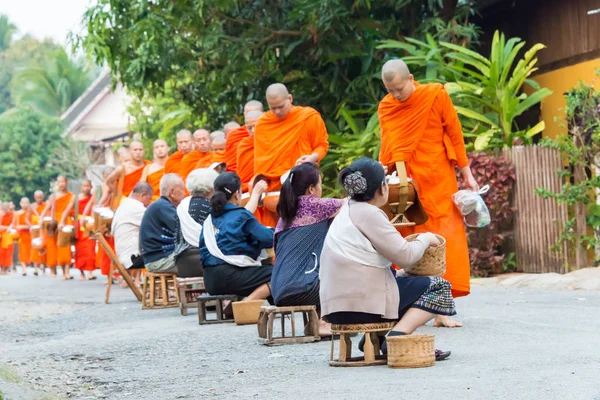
column 159, row 291
column 188, row 294
column 202, row 303
column 268, row 315
column 372, row 355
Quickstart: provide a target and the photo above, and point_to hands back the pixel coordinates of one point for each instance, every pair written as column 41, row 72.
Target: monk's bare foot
column 443, row 321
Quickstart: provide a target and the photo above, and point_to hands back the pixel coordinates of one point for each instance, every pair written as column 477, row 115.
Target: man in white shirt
column 126, row 225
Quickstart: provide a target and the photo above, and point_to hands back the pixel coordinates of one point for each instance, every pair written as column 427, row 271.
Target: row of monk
column 419, row 127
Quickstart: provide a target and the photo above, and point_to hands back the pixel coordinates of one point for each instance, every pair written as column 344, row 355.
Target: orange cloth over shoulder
column 6, row 249
column 278, row 143
column 233, row 140
column 85, row 247
column 191, row 161
column 245, row 161
column 153, row 180
column 174, row 163
column 24, row 239
column 131, row 179
column 63, row 254
column 205, row 160
column 424, row 131
column 218, row 156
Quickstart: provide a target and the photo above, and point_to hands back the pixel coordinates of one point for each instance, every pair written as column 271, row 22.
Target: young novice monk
column 357, row 283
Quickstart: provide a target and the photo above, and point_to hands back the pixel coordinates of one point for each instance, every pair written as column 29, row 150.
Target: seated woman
column 299, row 236
column 192, row 212
column 357, row 283
column 232, row 243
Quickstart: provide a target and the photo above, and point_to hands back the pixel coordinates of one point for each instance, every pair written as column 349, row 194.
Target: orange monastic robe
column 245, row 161
column 58, row 255
column 279, row 143
column 174, row 163
column 233, row 140
column 131, row 179
column 205, row 160
column 218, row 156
column 153, row 180
column 24, row 239
column 191, row 160
column 7, row 247
column 85, row 246
column 37, row 256
column 424, row 131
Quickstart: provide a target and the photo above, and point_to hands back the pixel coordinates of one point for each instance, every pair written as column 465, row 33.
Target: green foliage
column 580, row 148
column 21, row 53
column 495, row 84
column 27, row 144
column 214, row 56
column 7, row 30
column 51, row 88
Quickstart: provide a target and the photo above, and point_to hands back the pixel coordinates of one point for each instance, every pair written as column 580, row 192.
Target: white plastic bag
column 472, row 207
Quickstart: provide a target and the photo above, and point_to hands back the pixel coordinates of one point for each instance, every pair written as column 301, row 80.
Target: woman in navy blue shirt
column 233, row 243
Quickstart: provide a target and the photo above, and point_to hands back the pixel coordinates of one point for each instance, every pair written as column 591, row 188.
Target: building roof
column 99, row 114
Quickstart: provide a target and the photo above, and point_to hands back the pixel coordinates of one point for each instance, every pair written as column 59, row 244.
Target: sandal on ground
column 442, row 355
column 35, row 274
column 93, row 278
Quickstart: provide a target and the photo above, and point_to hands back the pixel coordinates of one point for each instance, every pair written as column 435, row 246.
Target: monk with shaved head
column 200, row 156
column 59, row 204
column 154, row 171
column 217, row 144
column 38, row 257
column 235, row 137
column 124, row 178
column 22, row 223
column 284, row 137
column 245, row 156
column 229, row 127
column 184, row 147
column 420, row 128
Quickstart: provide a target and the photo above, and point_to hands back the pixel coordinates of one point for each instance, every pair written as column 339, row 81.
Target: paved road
column 59, row 340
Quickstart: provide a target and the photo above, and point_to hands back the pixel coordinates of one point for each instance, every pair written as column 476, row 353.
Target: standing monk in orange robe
column 7, row 246
column 420, row 127
column 60, row 202
column 123, row 179
column 234, row 137
column 85, row 245
column 22, row 224
column 217, row 145
column 155, row 171
column 284, row 137
column 245, row 161
column 38, row 257
column 184, row 147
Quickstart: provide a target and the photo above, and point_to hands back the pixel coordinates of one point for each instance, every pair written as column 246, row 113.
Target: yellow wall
column 561, row 81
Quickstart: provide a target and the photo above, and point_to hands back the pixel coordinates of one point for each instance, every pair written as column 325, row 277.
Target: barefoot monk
column 420, row 127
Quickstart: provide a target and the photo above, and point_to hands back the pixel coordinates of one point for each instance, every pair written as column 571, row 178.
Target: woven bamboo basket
column 246, row 312
column 36, row 231
column 65, row 235
column 410, row 351
column 433, row 262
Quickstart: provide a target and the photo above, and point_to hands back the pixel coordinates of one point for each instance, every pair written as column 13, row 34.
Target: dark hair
column 225, row 186
column 297, row 183
column 362, row 179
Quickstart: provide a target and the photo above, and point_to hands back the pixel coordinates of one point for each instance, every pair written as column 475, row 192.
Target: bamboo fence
column 539, row 222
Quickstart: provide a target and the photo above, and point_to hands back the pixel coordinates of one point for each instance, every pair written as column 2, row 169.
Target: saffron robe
column 279, row 143
column 174, row 163
column 59, row 255
column 218, row 156
column 38, row 256
column 153, row 180
column 85, row 246
column 425, row 133
column 245, row 161
column 24, row 238
column 231, row 145
column 7, row 246
column 190, row 160
column 131, row 179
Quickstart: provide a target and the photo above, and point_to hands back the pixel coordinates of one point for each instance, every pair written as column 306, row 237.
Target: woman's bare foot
column 444, row 321
column 324, row 328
